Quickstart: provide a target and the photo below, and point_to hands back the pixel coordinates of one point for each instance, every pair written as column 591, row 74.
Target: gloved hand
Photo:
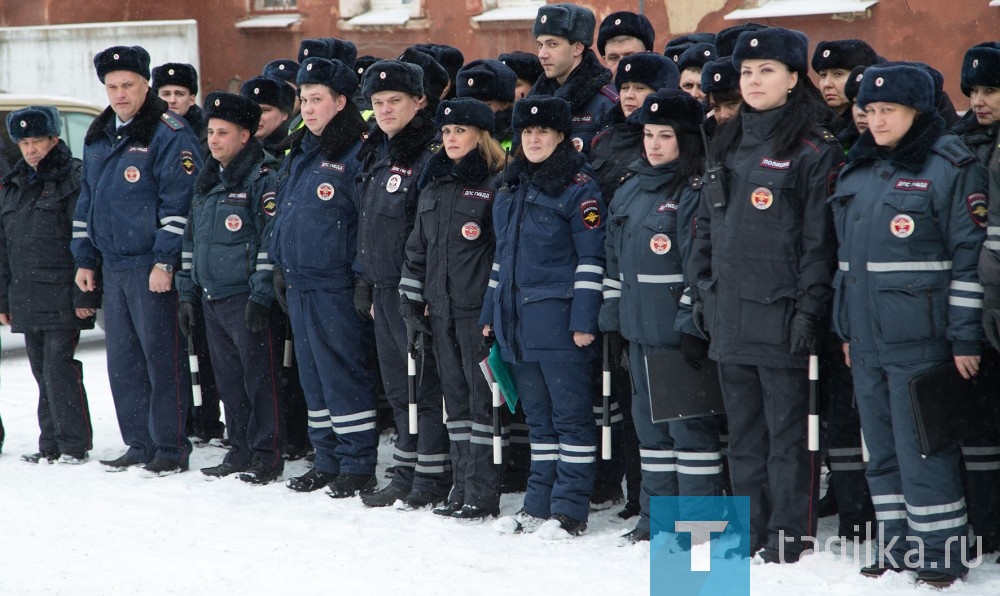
column 415, row 325
column 991, row 320
column 804, row 330
column 363, row 299
column 278, row 277
column 608, row 317
column 185, row 317
column 698, row 317
column 256, row 316
column 694, row 349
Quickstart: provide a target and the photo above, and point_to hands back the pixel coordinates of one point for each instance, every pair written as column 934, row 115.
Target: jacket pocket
column 765, row 312
column 545, row 316
column 910, row 222
column 911, row 308
column 841, row 320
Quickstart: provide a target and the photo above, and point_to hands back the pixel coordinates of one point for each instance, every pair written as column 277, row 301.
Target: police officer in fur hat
column 564, row 33
column 622, row 34
column 392, row 161
column 177, row 84
column 720, row 82
column 227, row 268
column 136, row 147
column 907, row 216
column 690, row 64
column 833, row 62
column 528, row 69
column 277, row 104
column 491, row 82
column 37, row 295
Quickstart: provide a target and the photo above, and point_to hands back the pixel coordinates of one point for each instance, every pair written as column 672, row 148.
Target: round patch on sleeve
column 978, row 208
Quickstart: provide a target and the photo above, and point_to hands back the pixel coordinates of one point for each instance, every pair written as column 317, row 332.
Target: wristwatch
column 165, row 267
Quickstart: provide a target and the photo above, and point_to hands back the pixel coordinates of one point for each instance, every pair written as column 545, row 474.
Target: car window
column 74, row 129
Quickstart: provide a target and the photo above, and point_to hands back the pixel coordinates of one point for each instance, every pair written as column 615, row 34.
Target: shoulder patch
column 172, row 122
column 269, row 203
column 978, row 206
column 590, row 213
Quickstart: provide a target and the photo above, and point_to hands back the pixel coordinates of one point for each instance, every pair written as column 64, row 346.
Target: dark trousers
column 204, row 421
column 422, row 461
column 769, row 460
column 147, row 367
column 558, row 406
column 332, row 347
column 63, row 413
column 458, row 349
column 296, row 412
column 680, row 458
column 245, row 364
column 981, row 478
column 913, row 495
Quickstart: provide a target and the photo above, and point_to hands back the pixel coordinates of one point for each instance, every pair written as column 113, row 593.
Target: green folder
column 494, row 368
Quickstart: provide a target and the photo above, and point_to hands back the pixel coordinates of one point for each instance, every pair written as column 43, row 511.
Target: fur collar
column 471, row 169
column 195, row 118
column 53, row 167
column 586, row 79
column 552, row 175
column 142, row 127
column 346, row 128
column 235, row 173
column 972, row 132
column 407, row 144
column 912, row 150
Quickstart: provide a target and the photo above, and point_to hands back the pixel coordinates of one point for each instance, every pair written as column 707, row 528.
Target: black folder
column 677, row 391
column 949, row 409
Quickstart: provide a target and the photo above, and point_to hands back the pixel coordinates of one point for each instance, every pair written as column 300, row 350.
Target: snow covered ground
column 80, row 530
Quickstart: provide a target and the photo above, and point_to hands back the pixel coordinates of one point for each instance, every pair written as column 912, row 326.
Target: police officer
column 314, row 246
column 690, row 65
column 542, row 304
column 392, row 161
column 451, row 60
column 979, row 129
column 435, row 76
column 680, row 44
column 720, row 82
column 649, row 233
column 528, row 69
column 762, row 261
column 833, row 61
column 37, row 293
column 226, row 266
column 623, row 34
column 277, row 104
column 908, row 299
column 564, row 33
column 491, row 82
column 447, row 268
column 177, row 84
column 139, row 165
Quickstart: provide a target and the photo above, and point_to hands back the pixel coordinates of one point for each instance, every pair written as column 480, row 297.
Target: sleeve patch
column 978, row 208
column 187, row 162
column 269, row 203
column 590, row 213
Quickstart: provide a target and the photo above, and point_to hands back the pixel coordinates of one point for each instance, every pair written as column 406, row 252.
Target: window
column 794, row 8
column 508, row 10
column 267, row 5
column 376, row 13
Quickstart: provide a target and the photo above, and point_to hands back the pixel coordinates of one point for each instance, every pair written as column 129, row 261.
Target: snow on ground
column 80, row 530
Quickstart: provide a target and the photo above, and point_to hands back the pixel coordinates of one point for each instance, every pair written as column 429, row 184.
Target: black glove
column 805, row 329
column 363, row 299
column 415, row 325
column 698, row 317
column 256, row 316
column 694, row 349
column 278, row 277
column 488, row 341
column 991, row 320
column 185, row 317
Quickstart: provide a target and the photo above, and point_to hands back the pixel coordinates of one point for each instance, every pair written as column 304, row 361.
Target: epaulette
column 364, row 136
column 829, row 137
column 433, row 146
column 954, row 150
column 609, row 93
column 581, row 179
column 628, row 174
column 172, row 122
column 695, row 182
column 264, row 170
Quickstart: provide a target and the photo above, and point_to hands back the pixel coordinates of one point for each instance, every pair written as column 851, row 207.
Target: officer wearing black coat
column 762, row 262
column 37, row 293
column 392, row 160
column 277, row 103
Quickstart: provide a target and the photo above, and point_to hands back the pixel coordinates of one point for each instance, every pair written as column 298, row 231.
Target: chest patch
column 329, row 165
column 234, row 223
column 325, row 191
column 978, row 208
column 578, row 144
column 237, row 195
column 401, row 170
column 392, row 184
column 776, row 164
column 762, row 198
column 471, row 230
column 475, row 193
column 659, row 244
column 132, row 174
column 902, row 226
column 907, row 184
column 666, row 206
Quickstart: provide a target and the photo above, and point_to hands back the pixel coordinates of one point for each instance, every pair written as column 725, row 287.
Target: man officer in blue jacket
column 139, row 164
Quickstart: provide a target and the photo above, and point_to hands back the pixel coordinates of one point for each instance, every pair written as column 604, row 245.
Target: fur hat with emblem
column 787, row 46
column 904, row 84
column 330, row 48
column 527, row 66
column 238, row 109
column 653, row 70
column 467, row 111
column 853, row 82
column 486, row 80
column 33, row 121
column 435, row 76
column 271, row 92
column 981, row 67
column 284, row 69
column 696, row 56
column 720, row 75
column 676, row 46
column 725, row 40
column 671, row 107
column 176, row 73
column 542, row 110
column 628, row 24
column 333, row 73
column 131, row 58
column 449, row 57
column 570, row 21
column 393, row 75
column 844, row 54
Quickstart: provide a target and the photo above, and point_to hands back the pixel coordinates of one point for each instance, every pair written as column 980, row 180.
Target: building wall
column 927, row 30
